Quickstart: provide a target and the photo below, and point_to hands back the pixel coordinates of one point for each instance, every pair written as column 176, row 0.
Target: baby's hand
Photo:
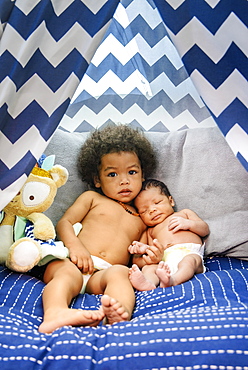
column 154, row 253
column 137, row 248
column 179, row 223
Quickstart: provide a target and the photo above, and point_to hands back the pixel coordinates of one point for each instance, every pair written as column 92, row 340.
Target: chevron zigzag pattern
column 161, row 65
column 212, row 42
column 45, row 49
column 136, row 76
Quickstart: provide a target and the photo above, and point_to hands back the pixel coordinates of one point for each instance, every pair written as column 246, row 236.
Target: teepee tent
column 77, row 64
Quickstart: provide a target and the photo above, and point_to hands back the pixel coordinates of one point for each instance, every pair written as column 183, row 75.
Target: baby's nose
column 152, row 209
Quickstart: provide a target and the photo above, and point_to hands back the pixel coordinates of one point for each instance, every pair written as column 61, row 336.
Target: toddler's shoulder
column 89, row 194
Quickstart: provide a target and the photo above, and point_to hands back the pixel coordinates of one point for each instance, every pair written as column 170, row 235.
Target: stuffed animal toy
column 18, row 251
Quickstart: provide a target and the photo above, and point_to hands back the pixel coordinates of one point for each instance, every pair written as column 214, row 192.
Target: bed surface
column 203, row 322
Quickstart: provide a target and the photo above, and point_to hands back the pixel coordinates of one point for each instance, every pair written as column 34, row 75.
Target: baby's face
column 120, row 176
column 153, row 206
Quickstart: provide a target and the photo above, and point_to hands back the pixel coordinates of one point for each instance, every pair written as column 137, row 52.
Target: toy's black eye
column 35, row 193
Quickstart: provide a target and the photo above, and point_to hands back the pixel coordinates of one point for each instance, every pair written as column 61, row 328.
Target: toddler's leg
column 64, row 282
column 145, row 279
column 119, row 298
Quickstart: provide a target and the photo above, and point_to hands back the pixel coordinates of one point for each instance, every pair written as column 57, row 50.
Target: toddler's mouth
column 125, row 192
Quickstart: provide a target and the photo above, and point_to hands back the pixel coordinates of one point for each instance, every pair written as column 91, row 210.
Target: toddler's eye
column 112, row 174
column 132, row 172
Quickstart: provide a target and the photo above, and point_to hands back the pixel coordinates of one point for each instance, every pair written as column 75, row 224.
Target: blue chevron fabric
column 45, row 49
column 136, row 76
column 211, row 38
column 159, row 65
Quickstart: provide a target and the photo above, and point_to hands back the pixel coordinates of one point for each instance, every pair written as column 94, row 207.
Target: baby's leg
column 143, row 281
column 64, row 282
column 119, row 298
column 164, row 274
column 190, row 265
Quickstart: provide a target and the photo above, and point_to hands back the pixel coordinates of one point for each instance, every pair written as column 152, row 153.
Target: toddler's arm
column 79, row 255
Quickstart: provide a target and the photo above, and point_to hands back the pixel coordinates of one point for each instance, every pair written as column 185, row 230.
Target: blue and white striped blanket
column 201, row 324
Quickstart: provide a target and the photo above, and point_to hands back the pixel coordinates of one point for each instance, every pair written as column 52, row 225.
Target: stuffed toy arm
column 43, row 226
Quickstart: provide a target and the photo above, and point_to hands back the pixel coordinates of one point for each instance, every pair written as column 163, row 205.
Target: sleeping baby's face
column 153, row 206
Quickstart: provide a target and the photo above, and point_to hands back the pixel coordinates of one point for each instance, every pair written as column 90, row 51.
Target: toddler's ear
column 97, row 182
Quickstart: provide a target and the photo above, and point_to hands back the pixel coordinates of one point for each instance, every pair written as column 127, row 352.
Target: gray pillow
column 201, row 172
column 65, row 146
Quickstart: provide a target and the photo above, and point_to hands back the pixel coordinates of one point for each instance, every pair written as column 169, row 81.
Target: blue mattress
column 201, row 324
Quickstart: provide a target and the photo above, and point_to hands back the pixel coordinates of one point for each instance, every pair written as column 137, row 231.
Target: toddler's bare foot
column 113, row 310
column 163, row 272
column 55, row 319
column 138, row 279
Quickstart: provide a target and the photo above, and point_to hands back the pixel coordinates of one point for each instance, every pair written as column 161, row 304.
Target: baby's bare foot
column 55, row 319
column 113, row 310
column 164, row 273
column 138, row 279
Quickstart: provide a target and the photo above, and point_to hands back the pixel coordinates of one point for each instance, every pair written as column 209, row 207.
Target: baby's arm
column 79, row 255
column 191, row 222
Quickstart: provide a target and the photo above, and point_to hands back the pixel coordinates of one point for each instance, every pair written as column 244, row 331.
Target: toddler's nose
column 124, row 181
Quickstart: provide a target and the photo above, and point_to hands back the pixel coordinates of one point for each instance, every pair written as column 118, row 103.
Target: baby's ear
column 97, row 182
column 171, row 201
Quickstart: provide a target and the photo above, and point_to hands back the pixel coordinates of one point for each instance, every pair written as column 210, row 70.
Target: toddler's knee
column 118, row 270
column 62, row 268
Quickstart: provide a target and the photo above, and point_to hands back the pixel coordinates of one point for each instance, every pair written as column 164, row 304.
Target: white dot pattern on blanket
column 203, row 321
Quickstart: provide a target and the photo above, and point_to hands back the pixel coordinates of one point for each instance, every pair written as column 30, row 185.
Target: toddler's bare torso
column 108, row 230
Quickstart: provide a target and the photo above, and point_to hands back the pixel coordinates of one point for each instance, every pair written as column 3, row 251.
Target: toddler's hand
column 82, row 259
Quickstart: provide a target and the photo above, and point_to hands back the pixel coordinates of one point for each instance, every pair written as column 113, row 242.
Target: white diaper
column 99, row 264
column 173, row 255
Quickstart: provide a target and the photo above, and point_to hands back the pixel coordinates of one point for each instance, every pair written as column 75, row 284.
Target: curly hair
column 114, row 139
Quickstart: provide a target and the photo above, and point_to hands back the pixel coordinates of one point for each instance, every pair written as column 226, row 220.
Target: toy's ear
column 59, row 175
